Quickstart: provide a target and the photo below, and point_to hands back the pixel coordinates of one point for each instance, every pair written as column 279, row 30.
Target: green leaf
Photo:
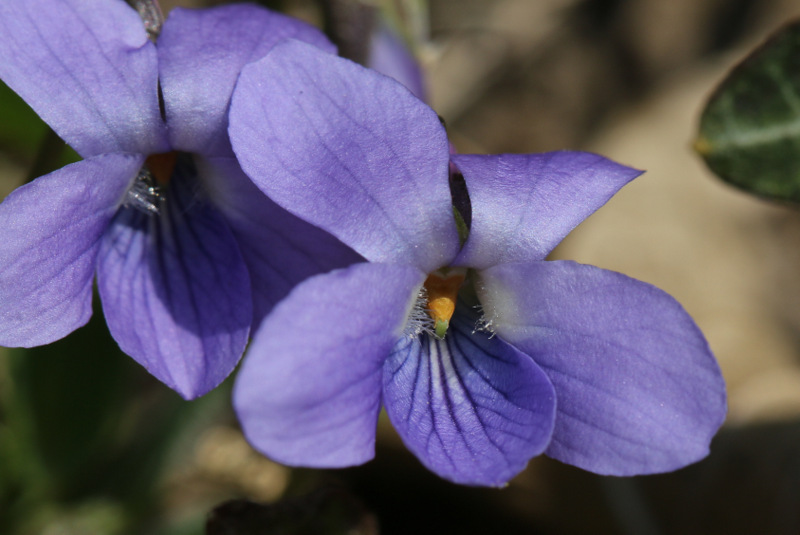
column 750, row 129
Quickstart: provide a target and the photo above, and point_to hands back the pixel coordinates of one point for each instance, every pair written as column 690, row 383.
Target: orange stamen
column 442, row 294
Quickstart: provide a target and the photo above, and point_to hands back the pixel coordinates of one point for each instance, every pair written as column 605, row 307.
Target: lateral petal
column 175, row 290
column 523, row 205
column 471, row 407
column 87, row 68
column 309, row 391
column 201, row 52
column 50, row 232
column 638, row 389
column 348, row 150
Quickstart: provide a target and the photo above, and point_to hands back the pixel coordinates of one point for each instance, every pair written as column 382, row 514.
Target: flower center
column 161, row 166
column 442, row 289
column 145, row 193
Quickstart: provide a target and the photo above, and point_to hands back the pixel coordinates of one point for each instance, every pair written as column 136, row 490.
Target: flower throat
column 146, row 192
column 436, row 303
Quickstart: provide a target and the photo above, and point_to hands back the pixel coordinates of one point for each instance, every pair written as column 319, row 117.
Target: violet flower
column 188, row 253
column 588, row 366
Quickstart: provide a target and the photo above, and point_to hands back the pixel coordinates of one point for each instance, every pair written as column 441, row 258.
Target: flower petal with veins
column 176, row 291
column 51, row 232
column 471, row 407
column 638, row 389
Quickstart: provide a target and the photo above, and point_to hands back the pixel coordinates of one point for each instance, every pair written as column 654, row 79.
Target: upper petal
column 637, row 386
column 175, row 290
column 309, row 390
column 87, row 68
column 201, row 52
column 472, row 408
column 523, row 205
column 349, row 150
column 280, row 249
column 50, row 231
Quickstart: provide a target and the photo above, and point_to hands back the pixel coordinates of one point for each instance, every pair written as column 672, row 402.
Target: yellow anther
column 442, row 294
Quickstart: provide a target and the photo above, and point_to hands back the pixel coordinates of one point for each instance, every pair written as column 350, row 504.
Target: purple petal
column 309, row 390
column 87, row 68
column 280, row 250
column 349, row 150
column 50, row 232
column 389, row 55
column 638, row 389
column 175, row 290
column 523, row 205
column 201, row 52
column 471, row 407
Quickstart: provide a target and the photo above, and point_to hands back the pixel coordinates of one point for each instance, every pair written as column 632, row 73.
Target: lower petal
column 175, row 290
column 50, row 232
column 638, row 389
column 472, row 408
column 309, row 390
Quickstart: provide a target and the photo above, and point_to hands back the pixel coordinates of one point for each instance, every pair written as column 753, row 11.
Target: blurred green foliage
column 85, row 437
column 27, row 140
column 21, row 130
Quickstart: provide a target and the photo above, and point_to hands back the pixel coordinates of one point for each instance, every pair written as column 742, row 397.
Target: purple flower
column 188, row 253
column 588, row 366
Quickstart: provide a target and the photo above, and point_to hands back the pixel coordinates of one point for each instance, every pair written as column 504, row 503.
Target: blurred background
column 89, row 443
